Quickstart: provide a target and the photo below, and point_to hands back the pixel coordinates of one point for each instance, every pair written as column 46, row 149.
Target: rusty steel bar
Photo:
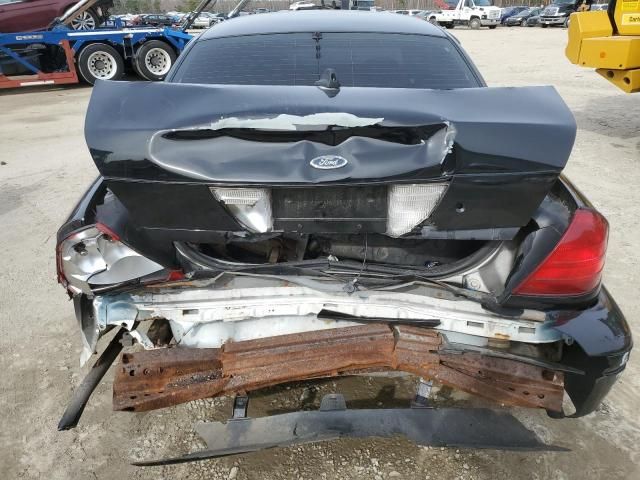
column 164, row 377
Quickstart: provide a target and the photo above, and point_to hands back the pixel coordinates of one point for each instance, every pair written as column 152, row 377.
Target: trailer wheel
column 100, row 61
column 474, row 23
column 154, row 59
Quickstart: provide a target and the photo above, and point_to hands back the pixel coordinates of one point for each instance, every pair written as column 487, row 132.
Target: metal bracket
column 332, row 402
column 422, row 394
column 240, row 405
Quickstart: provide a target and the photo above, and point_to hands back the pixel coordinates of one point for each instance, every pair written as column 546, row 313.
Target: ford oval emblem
column 327, row 162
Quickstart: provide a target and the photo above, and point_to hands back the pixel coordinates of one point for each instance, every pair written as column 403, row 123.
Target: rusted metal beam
column 161, row 378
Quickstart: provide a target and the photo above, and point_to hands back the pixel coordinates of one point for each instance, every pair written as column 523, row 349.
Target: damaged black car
column 316, row 194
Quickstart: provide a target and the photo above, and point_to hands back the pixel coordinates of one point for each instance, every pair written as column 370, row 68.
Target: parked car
column 262, row 234
column 155, row 20
column 510, row 11
column 599, row 6
column 410, row 13
column 261, row 10
column 558, row 13
column 534, row 20
column 29, row 15
column 424, row 15
column 521, row 18
column 205, row 20
column 303, row 5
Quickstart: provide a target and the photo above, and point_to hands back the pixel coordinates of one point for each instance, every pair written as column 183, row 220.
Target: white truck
column 474, row 13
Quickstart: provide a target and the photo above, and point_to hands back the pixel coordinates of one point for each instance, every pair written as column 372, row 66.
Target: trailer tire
column 474, row 23
column 154, row 59
column 100, row 61
column 448, row 25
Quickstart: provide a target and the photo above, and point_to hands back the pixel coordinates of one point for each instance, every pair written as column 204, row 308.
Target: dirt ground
column 45, row 166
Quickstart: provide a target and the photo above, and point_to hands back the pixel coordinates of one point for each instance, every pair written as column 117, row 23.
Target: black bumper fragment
column 454, row 427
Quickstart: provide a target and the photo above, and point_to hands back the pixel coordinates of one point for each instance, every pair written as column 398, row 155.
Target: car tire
column 100, row 61
column 154, row 59
column 449, row 25
column 492, row 27
column 544, row 25
column 433, row 21
column 87, row 20
column 475, row 24
column 566, row 23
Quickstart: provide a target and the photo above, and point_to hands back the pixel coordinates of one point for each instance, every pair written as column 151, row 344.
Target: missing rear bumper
column 160, row 378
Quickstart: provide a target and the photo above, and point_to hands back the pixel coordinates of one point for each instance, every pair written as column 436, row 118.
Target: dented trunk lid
column 162, row 146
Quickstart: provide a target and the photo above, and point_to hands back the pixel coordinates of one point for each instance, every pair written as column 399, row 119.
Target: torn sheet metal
column 465, row 428
column 206, row 317
column 165, row 377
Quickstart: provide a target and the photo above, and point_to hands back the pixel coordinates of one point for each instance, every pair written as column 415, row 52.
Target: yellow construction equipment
column 608, row 41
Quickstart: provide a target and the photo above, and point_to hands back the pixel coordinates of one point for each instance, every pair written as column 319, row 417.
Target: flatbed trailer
column 61, row 55
column 65, row 56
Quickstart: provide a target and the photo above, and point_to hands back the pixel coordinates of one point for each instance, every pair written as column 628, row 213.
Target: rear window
column 360, row 60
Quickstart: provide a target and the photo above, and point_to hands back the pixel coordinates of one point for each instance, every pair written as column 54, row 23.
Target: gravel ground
column 44, row 167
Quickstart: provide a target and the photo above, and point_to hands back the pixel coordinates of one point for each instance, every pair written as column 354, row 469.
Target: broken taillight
column 95, row 255
column 574, row 267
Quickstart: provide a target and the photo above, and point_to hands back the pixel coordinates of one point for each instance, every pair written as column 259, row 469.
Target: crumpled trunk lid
column 161, row 146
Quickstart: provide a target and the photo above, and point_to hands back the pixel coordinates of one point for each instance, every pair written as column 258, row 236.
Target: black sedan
column 508, row 12
column 156, row 20
column 521, row 18
column 333, row 193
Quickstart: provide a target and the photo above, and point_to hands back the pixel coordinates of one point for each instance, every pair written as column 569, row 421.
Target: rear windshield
column 359, row 59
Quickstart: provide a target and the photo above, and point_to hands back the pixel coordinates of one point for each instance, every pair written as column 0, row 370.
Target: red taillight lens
column 574, row 267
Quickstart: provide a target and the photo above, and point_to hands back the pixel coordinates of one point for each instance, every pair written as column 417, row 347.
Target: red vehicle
column 27, row 15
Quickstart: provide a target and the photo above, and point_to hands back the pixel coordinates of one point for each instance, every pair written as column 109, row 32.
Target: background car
column 521, row 18
column 206, row 19
column 411, row 13
column 534, row 20
column 156, row 20
column 558, row 13
column 510, row 11
column 601, row 6
column 303, row 6
column 28, row 15
column 424, row 15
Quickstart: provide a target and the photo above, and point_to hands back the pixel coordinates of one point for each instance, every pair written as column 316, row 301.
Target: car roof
column 322, row 21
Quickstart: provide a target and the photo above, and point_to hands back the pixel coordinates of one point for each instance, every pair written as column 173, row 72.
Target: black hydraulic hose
column 81, row 396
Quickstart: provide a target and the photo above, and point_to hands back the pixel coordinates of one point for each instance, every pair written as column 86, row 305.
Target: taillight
column 574, row 267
